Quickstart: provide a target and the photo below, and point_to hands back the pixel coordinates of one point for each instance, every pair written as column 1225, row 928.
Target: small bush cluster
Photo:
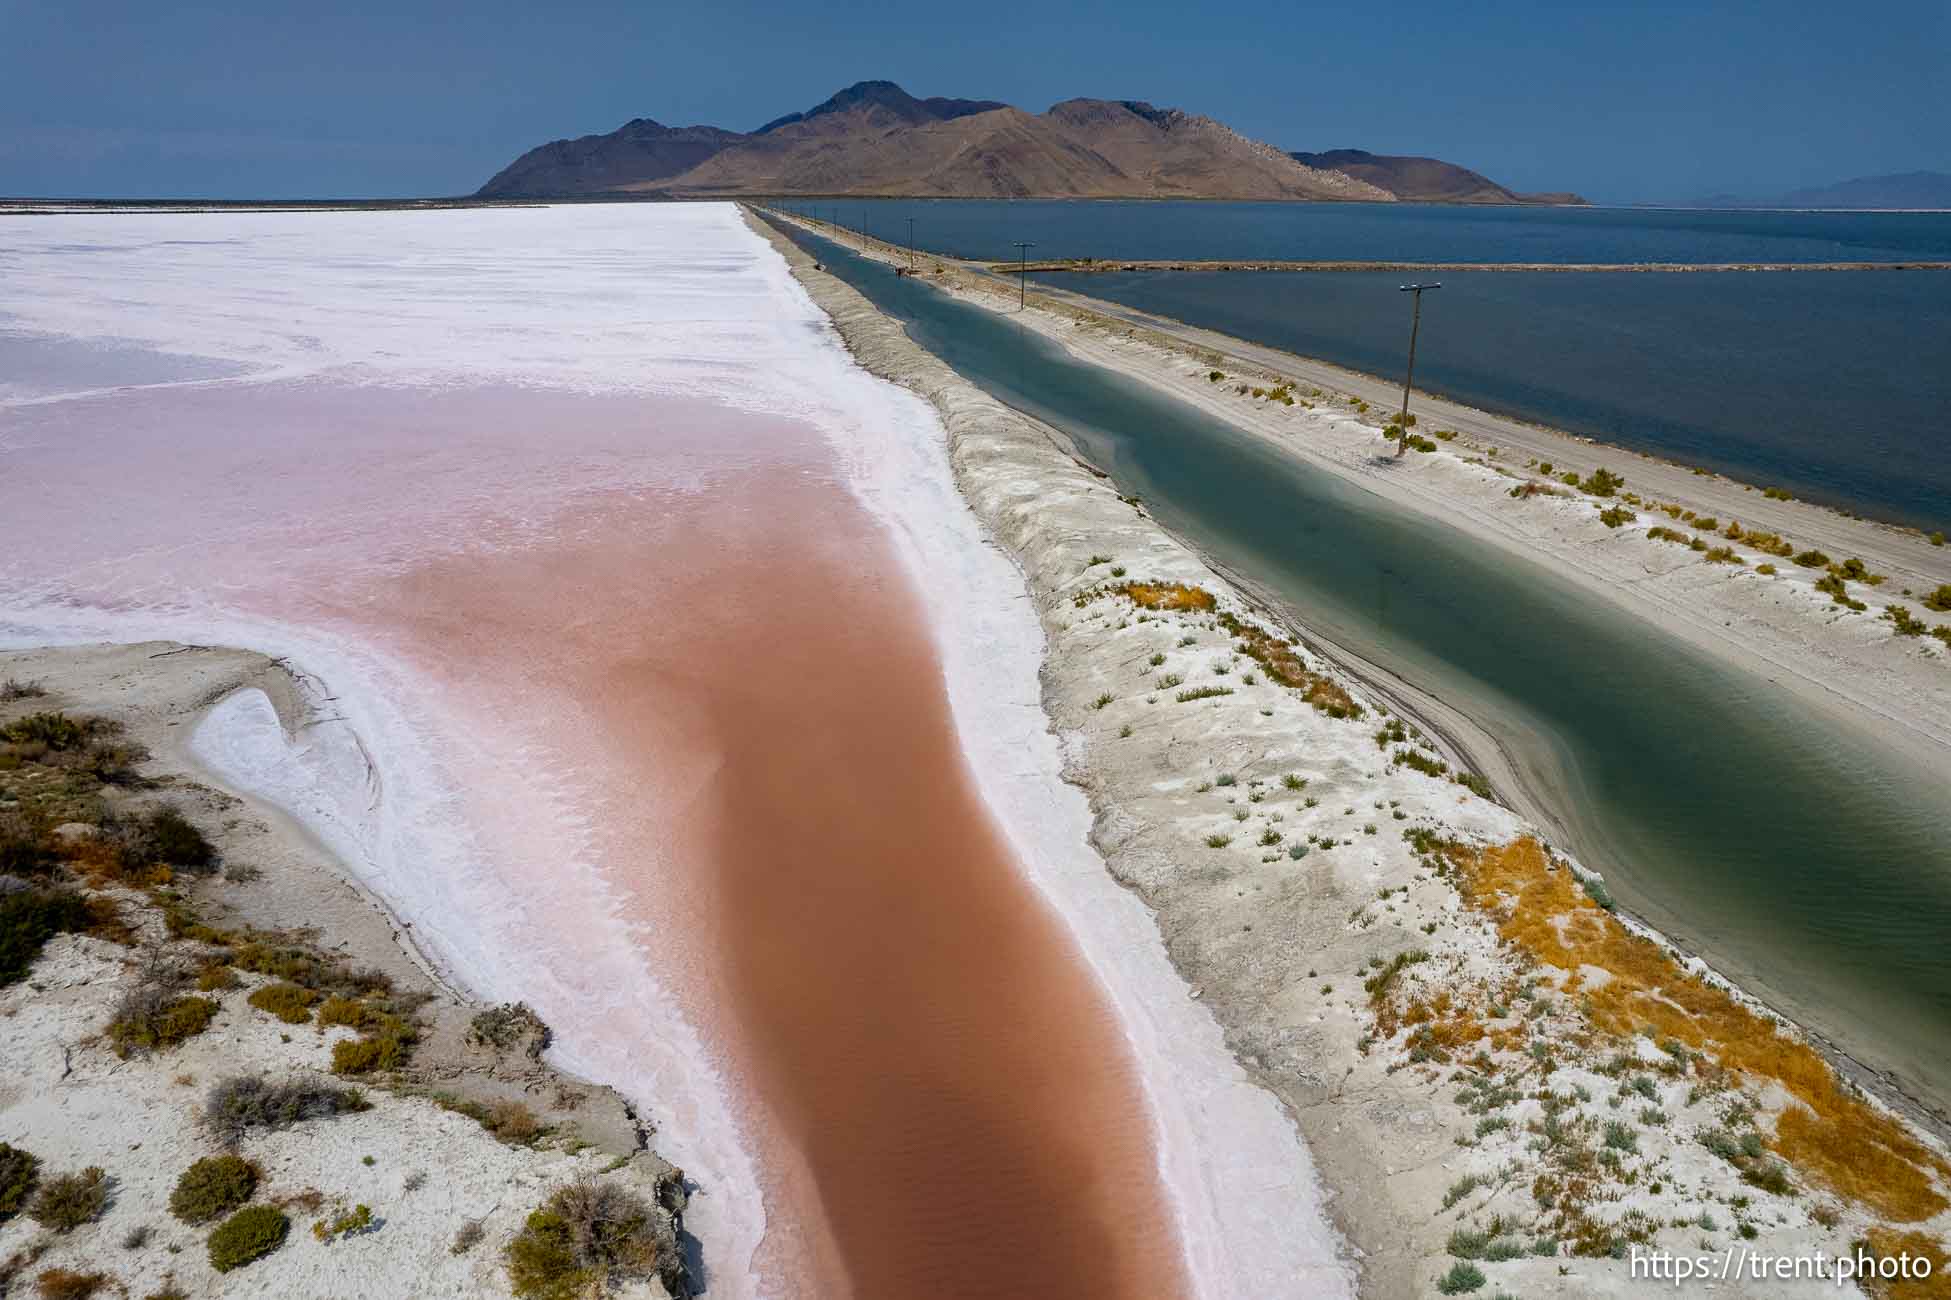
column 248, row 1235
column 18, row 1172
column 588, row 1235
column 1600, row 482
column 212, row 1187
column 154, row 1017
column 29, row 918
column 66, row 1201
column 67, row 1284
column 244, row 1102
column 291, row 1003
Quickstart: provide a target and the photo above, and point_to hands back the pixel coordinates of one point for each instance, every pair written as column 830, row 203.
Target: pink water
column 660, row 641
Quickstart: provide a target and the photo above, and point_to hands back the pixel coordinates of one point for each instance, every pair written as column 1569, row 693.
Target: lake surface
column 1801, row 858
column 1414, row 232
column 1835, row 386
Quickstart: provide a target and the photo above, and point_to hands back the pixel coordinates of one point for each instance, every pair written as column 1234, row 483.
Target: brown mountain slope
column 1082, row 148
column 639, row 150
column 875, row 138
column 1423, row 180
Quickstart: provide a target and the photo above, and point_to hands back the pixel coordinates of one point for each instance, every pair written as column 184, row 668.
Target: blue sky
column 266, row 98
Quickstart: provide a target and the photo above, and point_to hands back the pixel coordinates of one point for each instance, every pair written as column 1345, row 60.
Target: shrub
column 250, row 1234
column 586, row 1236
column 237, row 1105
column 1724, row 555
column 18, row 1171
column 28, row 919
column 1939, row 600
column 1812, row 559
column 1907, row 624
column 1417, row 760
column 386, row 1050
column 67, row 1201
column 26, row 847
column 1616, row 516
column 467, row 1238
column 1461, row 1278
column 1767, row 569
column 168, row 836
column 1218, row 841
column 512, row 1122
column 212, row 1187
column 152, row 1018
column 1769, row 1176
column 1620, row 1136
column 14, row 689
column 66, row 1284
column 1461, row 1188
column 290, row 1003
column 1202, row 693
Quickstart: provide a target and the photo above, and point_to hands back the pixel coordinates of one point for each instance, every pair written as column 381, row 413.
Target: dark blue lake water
column 1413, row 232
column 1835, row 385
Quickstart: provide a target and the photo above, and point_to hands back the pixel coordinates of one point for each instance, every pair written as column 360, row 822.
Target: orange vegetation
column 1285, row 667
column 1886, row 1243
column 1168, row 595
column 1829, row 1134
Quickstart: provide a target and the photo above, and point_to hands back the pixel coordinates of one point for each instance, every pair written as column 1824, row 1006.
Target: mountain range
column 873, row 138
column 1898, row 190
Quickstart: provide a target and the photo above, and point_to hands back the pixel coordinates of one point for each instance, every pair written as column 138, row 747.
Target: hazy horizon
column 383, row 101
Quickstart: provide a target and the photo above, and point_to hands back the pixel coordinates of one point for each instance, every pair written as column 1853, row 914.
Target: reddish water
column 737, row 683
column 668, row 624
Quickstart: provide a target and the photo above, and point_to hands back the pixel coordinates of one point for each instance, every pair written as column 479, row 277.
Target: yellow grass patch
column 1888, row 1243
column 1830, row 1135
column 1168, row 595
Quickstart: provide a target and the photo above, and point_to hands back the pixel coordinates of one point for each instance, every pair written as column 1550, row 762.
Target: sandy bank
column 1277, row 847
column 426, row 1168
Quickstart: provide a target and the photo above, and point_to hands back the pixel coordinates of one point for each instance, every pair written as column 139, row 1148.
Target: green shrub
column 212, row 1187
column 152, row 1018
column 28, row 919
column 1907, row 623
column 1461, row 1278
column 66, row 1201
column 587, row 1236
column 387, row 1050
column 1616, row 516
column 250, row 1234
column 1812, row 559
column 290, row 1003
column 1939, row 600
column 1202, row 693
column 1417, row 760
column 1769, row 1176
column 1619, row 1136
column 18, row 1171
column 167, row 836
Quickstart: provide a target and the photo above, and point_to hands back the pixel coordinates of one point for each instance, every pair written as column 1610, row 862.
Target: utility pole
column 1022, row 285
column 911, row 245
column 1415, row 324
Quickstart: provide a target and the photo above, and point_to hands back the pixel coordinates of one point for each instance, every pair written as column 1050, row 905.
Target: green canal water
column 1796, row 854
